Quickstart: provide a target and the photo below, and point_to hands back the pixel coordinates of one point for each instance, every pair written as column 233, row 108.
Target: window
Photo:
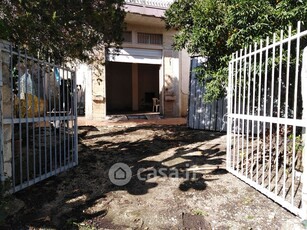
column 127, row 36
column 154, row 39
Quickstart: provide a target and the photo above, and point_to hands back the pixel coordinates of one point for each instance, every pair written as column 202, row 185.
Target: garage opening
column 131, row 87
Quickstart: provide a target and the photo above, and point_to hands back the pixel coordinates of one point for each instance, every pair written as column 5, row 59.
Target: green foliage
column 62, row 29
column 217, row 28
column 298, row 143
column 200, row 212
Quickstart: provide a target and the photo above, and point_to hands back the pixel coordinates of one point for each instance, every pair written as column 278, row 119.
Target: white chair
column 155, row 104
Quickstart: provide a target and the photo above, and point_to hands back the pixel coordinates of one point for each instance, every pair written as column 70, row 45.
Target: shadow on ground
column 151, row 152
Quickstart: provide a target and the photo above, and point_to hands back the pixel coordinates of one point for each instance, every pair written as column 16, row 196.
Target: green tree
column 217, row 28
column 62, row 29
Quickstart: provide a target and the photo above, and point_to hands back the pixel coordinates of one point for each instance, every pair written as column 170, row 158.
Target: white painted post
column 304, row 117
column 229, row 111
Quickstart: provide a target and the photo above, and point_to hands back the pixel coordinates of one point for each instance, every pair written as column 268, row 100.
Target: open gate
column 38, row 118
column 266, row 131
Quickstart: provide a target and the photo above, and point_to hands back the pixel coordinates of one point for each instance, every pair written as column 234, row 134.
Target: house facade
column 146, row 67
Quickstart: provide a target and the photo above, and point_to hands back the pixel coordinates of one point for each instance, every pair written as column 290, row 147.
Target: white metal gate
column 266, row 125
column 38, row 118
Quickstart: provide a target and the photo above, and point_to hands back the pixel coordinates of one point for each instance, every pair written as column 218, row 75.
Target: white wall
column 84, row 78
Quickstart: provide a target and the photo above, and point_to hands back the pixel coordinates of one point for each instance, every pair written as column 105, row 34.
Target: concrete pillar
column 135, row 87
column 175, row 67
column 304, row 117
column 171, row 83
column 5, row 112
column 184, row 77
column 98, row 86
column 161, row 89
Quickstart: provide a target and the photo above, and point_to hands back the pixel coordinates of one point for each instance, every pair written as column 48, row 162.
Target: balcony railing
column 152, row 3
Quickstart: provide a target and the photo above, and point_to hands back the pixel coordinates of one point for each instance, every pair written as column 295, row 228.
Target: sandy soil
column 186, row 185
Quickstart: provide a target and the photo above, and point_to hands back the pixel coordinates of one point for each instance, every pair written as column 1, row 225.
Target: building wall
column 175, row 67
column 84, row 78
column 173, row 74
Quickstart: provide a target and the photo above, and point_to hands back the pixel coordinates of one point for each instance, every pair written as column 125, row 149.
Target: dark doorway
column 148, row 85
column 118, row 87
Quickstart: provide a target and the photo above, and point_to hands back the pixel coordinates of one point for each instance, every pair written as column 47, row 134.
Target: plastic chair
column 155, row 104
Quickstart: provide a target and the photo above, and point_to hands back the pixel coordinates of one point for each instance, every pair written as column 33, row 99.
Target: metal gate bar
column 265, row 129
column 39, row 122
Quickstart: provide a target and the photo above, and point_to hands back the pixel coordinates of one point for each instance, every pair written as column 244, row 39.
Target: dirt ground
column 186, row 185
